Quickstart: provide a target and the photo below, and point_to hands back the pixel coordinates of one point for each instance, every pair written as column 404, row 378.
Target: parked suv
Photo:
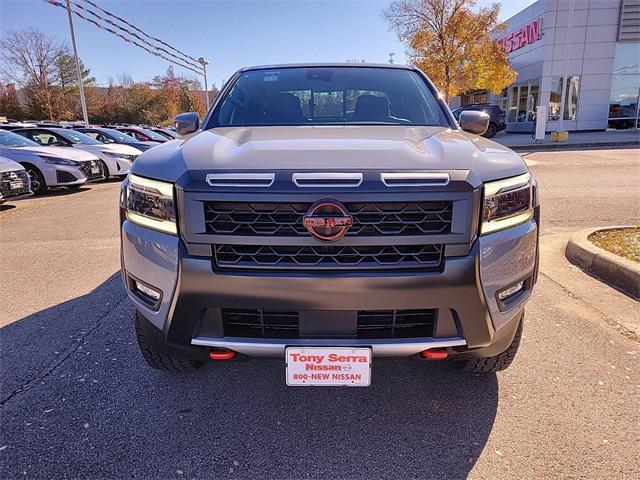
column 329, row 214
column 497, row 121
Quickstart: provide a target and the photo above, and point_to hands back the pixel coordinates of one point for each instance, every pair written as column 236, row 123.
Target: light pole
column 204, row 62
column 85, row 117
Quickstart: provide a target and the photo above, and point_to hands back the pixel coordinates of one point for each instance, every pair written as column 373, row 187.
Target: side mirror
column 187, row 123
column 474, row 122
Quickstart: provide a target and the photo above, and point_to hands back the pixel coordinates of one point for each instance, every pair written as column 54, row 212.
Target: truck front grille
column 372, row 324
column 332, row 257
column 369, row 218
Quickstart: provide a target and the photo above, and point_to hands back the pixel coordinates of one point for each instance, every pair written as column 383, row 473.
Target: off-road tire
column 159, row 360
column 496, row 363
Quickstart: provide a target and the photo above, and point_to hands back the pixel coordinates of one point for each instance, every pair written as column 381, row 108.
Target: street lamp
column 204, row 62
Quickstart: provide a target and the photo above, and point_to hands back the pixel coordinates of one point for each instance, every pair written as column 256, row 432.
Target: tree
column 29, row 59
column 187, row 100
column 9, row 103
column 453, row 44
column 67, row 76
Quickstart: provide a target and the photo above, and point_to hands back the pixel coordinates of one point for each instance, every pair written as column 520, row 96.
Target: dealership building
column 578, row 58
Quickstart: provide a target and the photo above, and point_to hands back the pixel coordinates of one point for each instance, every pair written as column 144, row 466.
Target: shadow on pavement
column 5, row 207
column 93, row 408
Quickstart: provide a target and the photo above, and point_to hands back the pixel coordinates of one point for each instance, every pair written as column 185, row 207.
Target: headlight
column 120, row 155
column 506, row 203
column 58, row 160
column 150, row 203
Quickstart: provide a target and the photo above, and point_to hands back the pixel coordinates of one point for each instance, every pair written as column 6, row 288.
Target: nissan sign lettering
column 522, row 36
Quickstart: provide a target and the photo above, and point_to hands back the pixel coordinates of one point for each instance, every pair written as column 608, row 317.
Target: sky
column 230, row 34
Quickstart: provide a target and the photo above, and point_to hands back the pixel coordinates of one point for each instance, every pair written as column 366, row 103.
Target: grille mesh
column 5, row 183
column 328, row 256
column 86, row 169
column 369, row 219
column 372, row 324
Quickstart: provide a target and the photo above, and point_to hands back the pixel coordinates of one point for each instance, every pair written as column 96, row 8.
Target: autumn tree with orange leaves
column 452, row 43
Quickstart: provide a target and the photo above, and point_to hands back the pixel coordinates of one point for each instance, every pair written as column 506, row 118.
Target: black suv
column 497, row 121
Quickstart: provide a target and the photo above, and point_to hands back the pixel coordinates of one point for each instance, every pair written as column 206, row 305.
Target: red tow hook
column 435, row 354
column 221, row 354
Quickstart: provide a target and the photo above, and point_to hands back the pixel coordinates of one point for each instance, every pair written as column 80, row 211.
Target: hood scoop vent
column 414, row 179
column 327, row 179
column 240, row 179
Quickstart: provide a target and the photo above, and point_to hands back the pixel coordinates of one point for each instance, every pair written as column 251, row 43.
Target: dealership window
column 571, row 98
column 504, row 100
column 513, row 104
column 624, row 105
column 555, row 97
column 532, row 102
column 522, row 101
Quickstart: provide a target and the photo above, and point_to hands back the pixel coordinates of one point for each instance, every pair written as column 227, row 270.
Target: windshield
column 170, row 133
column 153, row 135
column 328, row 96
column 120, row 136
column 10, row 139
column 76, row 137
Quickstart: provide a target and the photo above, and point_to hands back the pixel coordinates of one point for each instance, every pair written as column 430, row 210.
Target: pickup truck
column 329, row 215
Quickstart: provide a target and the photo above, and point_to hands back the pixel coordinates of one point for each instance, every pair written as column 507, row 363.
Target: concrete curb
column 535, row 147
column 612, row 269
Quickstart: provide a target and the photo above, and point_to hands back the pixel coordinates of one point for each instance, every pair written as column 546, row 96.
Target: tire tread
column 499, row 362
column 158, row 360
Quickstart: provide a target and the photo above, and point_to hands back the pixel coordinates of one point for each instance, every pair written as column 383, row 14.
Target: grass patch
column 624, row 242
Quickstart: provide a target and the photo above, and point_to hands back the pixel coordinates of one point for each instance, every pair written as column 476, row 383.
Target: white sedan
column 116, row 158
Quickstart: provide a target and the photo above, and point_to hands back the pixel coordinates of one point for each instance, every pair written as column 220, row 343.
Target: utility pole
column 204, row 62
column 78, row 71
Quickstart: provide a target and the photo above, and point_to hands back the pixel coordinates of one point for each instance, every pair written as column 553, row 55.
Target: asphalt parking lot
column 78, row 401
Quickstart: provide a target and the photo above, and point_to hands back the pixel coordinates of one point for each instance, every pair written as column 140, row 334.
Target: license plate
column 328, row 366
column 15, row 185
column 95, row 169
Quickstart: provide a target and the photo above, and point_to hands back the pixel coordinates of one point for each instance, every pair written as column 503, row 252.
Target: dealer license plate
column 328, row 366
column 16, row 184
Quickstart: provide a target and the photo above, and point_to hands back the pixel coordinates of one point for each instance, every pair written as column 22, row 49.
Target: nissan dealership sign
column 522, row 36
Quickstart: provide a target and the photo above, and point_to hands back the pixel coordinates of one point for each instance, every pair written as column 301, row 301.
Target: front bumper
column 470, row 320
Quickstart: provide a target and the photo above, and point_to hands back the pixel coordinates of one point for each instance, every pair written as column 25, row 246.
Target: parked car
column 497, row 121
column 14, row 125
column 165, row 132
column 116, row 159
column 142, row 134
column 111, row 135
column 397, row 236
column 50, row 167
column 14, row 181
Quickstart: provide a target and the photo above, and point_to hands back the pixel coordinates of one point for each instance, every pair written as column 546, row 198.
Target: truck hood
column 331, row 148
column 62, row 152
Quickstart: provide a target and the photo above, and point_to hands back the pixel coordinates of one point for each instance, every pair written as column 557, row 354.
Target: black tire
column 38, row 184
column 491, row 131
column 105, row 172
column 496, row 363
column 158, row 359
